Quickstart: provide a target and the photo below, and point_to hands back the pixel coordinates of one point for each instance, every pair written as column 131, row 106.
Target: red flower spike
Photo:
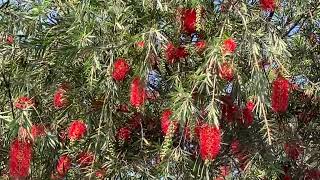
column 287, row 177
column 188, row 20
column 166, row 122
column 20, row 156
column 247, row 117
column 312, row 174
column 59, row 99
column 280, row 95
column 229, row 46
column 181, row 53
column 123, row 134
column 293, row 150
column 24, row 103
column 100, row 173
column 268, row 5
column 226, row 72
column 10, row 39
column 140, row 44
column 85, row 159
column 120, row 69
column 137, row 92
column 63, row 165
column 201, row 46
column 76, row 130
column 228, row 109
column 250, row 105
column 38, row 130
column 210, row 140
column 224, row 171
column 235, row 146
column 170, row 53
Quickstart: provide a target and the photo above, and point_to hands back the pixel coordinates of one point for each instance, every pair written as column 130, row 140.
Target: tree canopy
column 157, row 89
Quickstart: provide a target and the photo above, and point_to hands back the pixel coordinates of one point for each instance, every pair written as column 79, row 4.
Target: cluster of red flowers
column 232, row 113
column 312, row 174
column 201, row 46
column 124, row 133
column 226, row 72
column 166, row 122
column 293, row 150
column 20, row 156
column 209, row 142
column 24, row 103
column 76, row 130
column 229, row 46
column 174, row 54
column 189, row 20
column 85, row 158
column 240, row 153
column 247, row 114
column 268, row 5
column 59, row 99
column 120, row 69
column 63, row 165
column 38, row 130
column 10, row 39
column 224, row 172
column 280, row 94
column 137, row 92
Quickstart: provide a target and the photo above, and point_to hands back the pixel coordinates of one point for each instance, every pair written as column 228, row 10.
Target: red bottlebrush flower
column 63, row 165
column 280, row 95
column 188, row 20
column 120, row 69
column 226, row 72
column 77, row 130
column 235, row 146
column 24, row 103
column 85, row 159
column 210, row 140
column 137, row 92
column 100, row 173
column 250, row 105
column 174, row 54
column 170, row 53
column 20, row 156
column 268, row 5
column 293, row 150
column 38, row 130
column 287, row 177
column 10, row 40
column 59, row 99
column 140, row 44
column 313, row 174
column 247, row 117
column 135, row 121
column 224, row 171
column 166, row 122
column 228, row 109
column 201, row 46
column 229, row 46
column 123, row 134
column 181, row 53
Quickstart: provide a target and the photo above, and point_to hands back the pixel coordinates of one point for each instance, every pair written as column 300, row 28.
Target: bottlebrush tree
column 154, row 89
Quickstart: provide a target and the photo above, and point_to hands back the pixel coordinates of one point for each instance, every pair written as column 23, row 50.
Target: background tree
column 151, row 89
